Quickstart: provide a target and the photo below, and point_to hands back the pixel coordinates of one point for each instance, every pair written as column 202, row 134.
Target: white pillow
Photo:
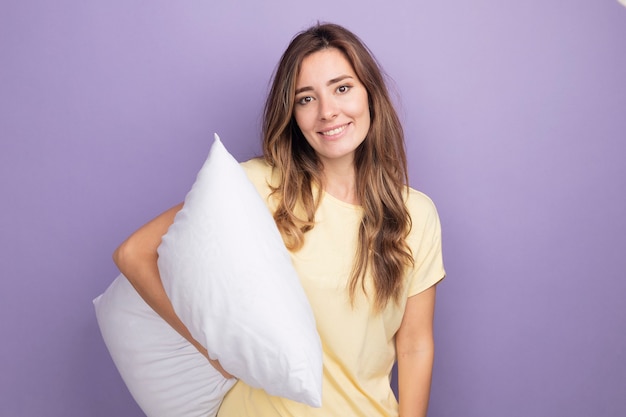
column 165, row 374
column 230, row 278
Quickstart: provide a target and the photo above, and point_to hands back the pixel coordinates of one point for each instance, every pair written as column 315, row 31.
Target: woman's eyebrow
column 329, row 83
column 303, row 89
column 338, row 79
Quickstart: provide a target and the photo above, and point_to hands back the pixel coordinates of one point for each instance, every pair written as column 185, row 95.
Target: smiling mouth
column 334, row 131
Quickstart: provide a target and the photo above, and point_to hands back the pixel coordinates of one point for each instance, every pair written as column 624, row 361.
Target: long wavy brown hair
column 380, row 164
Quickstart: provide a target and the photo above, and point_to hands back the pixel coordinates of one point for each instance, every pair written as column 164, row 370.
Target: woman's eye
column 343, row 89
column 305, row 100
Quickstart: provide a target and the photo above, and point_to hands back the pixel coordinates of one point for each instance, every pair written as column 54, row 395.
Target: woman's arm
column 415, row 347
column 137, row 257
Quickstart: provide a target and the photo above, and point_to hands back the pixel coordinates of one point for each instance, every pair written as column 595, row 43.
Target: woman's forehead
column 324, row 66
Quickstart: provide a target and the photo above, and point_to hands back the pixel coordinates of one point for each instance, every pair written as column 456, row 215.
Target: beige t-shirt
column 358, row 345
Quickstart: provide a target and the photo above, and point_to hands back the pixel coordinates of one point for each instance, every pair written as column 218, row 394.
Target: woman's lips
column 334, row 131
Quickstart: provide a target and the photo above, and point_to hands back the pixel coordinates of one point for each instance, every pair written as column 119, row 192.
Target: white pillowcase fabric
column 165, row 374
column 231, row 281
column 230, row 278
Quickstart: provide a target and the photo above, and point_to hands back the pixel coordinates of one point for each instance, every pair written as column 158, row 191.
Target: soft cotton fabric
column 165, row 374
column 231, row 281
column 358, row 345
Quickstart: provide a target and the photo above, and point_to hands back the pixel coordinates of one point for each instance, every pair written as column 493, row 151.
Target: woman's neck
column 340, row 182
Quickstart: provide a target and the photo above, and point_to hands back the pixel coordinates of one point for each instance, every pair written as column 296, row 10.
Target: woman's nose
column 328, row 109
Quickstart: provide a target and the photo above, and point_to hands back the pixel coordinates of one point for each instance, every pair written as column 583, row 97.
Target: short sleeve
column 425, row 242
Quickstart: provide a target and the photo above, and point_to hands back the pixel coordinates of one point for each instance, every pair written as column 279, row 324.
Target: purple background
column 515, row 114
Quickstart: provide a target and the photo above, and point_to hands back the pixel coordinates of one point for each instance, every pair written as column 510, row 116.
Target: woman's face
column 331, row 106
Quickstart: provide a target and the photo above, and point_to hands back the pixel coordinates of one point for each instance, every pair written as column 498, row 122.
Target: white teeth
column 334, row 131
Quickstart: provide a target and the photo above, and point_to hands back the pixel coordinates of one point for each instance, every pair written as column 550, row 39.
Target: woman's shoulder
column 425, row 242
column 419, row 202
column 256, row 166
column 421, row 208
column 259, row 172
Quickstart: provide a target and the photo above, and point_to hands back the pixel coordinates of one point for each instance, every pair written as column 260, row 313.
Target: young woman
column 367, row 247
